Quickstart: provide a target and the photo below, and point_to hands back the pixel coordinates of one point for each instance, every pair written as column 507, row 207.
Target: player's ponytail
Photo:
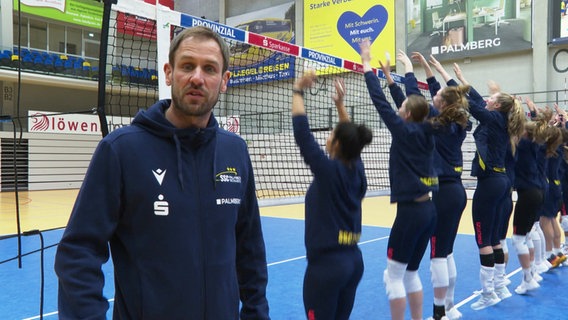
column 352, row 139
column 516, row 118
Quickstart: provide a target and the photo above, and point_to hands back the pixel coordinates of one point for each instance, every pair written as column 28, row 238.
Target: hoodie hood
column 154, row 121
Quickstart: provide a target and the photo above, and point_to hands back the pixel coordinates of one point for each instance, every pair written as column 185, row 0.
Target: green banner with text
column 86, row 13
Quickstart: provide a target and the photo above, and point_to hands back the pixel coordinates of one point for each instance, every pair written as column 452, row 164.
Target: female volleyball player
column 505, row 209
column 564, row 185
column 530, row 182
column 450, row 199
column 501, row 123
column 412, row 178
column 332, row 207
column 450, row 108
column 534, row 148
column 552, row 195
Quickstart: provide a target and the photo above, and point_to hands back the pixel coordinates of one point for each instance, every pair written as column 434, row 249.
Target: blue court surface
column 20, row 287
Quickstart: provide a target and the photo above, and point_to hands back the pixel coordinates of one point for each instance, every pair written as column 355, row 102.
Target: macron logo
column 159, row 175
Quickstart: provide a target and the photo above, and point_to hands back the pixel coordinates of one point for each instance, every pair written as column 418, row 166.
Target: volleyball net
column 257, row 105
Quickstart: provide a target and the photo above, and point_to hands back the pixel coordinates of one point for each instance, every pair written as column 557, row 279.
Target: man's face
column 196, row 77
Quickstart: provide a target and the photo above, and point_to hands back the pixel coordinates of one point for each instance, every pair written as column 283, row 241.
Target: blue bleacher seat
column 77, row 68
column 146, row 76
column 116, row 74
column 5, row 60
column 27, row 61
column 38, row 63
column 124, row 74
column 135, row 74
column 58, row 65
column 68, row 66
column 49, row 64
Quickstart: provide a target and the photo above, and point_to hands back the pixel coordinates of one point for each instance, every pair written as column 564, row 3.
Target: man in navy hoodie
column 174, row 196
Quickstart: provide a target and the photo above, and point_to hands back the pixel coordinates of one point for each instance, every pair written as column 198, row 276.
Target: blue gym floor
column 20, row 287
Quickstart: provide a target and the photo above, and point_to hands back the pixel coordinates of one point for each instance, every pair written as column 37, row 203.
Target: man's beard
column 189, row 109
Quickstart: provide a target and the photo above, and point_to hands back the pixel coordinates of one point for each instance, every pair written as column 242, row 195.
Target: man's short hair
column 199, row 32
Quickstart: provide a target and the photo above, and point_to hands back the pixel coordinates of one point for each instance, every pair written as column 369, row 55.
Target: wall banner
column 336, row 27
column 455, row 29
column 86, row 13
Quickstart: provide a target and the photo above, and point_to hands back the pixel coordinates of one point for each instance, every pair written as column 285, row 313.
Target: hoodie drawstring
column 179, row 166
column 215, row 165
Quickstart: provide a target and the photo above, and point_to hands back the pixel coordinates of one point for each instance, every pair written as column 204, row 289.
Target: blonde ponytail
column 516, row 123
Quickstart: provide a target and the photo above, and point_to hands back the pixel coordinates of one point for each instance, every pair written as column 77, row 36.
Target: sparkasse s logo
column 161, row 207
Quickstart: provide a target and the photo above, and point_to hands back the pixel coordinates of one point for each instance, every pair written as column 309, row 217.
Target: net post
column 102, row 66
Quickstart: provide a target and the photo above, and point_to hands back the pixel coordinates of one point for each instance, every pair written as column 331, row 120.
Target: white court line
column 303, row 257
column 54, row 313
column 373, row 240
column 477, row 293
column 459, row 304
column 284, row 261
column 44, row 315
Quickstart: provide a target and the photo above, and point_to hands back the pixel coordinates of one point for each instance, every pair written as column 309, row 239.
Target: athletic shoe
column 541, row 267
column 565, row 248
column 506, row 282
column 554, row 261
column 527, row 286
column 443, row 318
column 486, row 300
column 547, row 263
column 453, row 314
column 562, row 258
column 537, row 277
column 503, row 293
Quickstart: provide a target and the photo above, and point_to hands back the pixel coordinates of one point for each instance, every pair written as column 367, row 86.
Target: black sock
column 439, row 312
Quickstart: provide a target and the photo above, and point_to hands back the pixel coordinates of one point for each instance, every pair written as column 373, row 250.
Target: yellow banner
column 336, row 27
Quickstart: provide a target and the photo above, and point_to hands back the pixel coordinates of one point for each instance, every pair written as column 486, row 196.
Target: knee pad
column 412, row 282
column 520, row 244
column 393, row 279
column 439, row 272
column 452, row 270
column 531, row 239
column 564, row 223
column 530, row 242
column 504, row 245
column 499, row 256
column 540, row 234
column 487, row 260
